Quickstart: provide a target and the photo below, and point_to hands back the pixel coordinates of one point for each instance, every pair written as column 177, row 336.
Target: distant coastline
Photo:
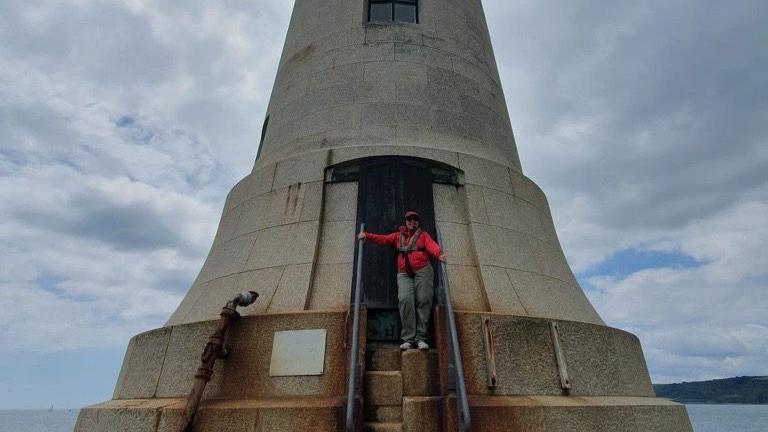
column 737, row 390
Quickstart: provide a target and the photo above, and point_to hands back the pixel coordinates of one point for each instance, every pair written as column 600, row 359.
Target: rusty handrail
column 351, row 383
column 214, row 349
column 462, row 404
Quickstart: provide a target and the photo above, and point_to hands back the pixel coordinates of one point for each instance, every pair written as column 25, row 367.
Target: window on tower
column 386, row 11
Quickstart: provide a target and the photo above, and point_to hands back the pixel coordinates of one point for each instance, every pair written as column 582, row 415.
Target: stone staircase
column 401, row 389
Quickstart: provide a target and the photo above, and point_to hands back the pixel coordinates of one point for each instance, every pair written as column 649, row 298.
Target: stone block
column 299, row 419
column 286, row 244
column 246, row 371
column 346, row 75
column 395, row 71
column 520, row 251
column 182, row 359
column 384, row 414
column 225, row 420
column 142, row 365
column 253, row 214
column 292, row 291
column 303, row 169
column 466, row 291
column 218, row 292
column 525, row 361
column 423, row 55
column 543, row 296
column 364, row 135
column 227, row 258
column 395, row 114
column 342, row 117
column 662, row 418
column 384, row 388
column 382, row 427
column 374, row 52
column 415, row 135
column 450, row 203
column 506, row 211
column 227, row 229
column 337, row 243
column 632, row 367
column 592, row 363
column 527, row 190
column 312, row 204
column 179, row 316
column 340, row 202
column 420, row 373
column 87, row 420
column 458, row 123
column 404, row 34
column 476, row 204
column 126, row 420
column 350, row 153
column 331, row 286
column 384, row 359
column 257, row 183
column 422, row 414
column 589, row 418
column 502, row 297
column 456, row 243
column 471, row 71
column 486, row 240
column 553, row 261
column 486, row 173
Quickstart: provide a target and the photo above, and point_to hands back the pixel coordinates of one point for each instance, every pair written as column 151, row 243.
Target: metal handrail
column 462, row 404
column 351, row 383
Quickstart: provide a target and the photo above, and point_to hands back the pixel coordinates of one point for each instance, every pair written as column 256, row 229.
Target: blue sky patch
column 627, row 261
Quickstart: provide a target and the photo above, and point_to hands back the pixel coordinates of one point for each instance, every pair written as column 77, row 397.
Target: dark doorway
column 387, row 189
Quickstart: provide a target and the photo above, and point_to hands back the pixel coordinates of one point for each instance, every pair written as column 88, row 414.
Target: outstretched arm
column 432, row 247
column 379, row 239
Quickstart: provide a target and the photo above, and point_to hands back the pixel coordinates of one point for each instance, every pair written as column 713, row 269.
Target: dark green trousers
column 414, row 295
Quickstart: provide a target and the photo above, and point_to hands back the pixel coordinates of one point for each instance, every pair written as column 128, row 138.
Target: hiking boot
column 406, row 346
column 422, row 345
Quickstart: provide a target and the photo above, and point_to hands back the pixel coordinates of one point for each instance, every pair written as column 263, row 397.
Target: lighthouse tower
column 379, row 107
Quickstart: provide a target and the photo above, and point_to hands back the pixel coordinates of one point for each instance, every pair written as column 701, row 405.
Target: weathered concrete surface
column 246, row 415
column 577, row 414
column 601, row 361
column 245, row 373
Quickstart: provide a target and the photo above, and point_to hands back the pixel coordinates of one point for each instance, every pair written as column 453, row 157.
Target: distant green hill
column 739, row 390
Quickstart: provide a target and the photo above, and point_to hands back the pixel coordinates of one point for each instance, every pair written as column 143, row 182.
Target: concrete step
column 164, row 415
column 420, row 374
column 382, row 427
column 383, row 359
column 383, row 413
column 383, row 388
column 422, row 414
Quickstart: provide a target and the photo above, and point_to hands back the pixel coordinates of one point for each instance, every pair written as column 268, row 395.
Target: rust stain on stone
column 303, row 54
column 292, row 200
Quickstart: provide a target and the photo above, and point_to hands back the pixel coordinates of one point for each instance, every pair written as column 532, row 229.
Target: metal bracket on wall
column 490, row 357
column 562, row 367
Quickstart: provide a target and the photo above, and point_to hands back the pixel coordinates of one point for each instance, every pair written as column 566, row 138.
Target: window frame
column 391, row 3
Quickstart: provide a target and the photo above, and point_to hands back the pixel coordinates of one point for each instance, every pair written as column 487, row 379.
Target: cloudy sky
column 124, row 123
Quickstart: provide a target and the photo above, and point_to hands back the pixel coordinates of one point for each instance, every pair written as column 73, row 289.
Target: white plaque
column 298, row 352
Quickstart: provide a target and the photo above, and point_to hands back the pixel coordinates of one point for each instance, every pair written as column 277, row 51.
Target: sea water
column 705, row 418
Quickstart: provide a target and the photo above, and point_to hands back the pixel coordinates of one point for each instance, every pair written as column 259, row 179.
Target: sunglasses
column 412, row 218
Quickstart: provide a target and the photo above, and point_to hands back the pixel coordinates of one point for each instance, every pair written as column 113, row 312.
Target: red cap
column 411, row 213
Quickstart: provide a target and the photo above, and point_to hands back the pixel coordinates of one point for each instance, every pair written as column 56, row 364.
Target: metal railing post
column 462, row 404
column 351, row 384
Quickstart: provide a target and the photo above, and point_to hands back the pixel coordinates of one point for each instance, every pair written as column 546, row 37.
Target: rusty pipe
column 214, row 349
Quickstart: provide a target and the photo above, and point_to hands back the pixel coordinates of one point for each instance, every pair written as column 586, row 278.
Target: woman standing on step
column 414, row 277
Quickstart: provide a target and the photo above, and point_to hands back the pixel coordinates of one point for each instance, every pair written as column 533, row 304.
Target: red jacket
column 418, row 258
